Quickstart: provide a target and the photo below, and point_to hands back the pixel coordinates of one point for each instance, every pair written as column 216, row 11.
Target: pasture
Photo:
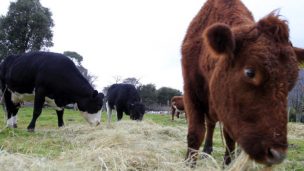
column 157, row 143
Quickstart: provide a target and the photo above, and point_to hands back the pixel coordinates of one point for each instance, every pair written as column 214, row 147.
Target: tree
column 148, row 94
column 77, row 58
column 26, row 27
column 132, row 80
column 117, row 79
column 164, row 95
column 74, row 56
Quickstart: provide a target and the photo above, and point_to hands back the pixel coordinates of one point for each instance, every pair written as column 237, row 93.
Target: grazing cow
column 124, row 98
column 238, row 71
column 50, row 78
column 177, row 106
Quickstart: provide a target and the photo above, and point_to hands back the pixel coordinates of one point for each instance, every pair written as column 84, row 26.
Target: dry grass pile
column 127, row 145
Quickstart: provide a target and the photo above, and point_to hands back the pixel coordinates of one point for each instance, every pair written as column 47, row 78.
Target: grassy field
column 155, row 144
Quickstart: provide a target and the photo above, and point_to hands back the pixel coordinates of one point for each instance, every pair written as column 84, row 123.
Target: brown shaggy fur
column 177, row 106
column 238, row 71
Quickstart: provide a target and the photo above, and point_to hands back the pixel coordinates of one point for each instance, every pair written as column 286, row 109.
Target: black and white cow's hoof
column 31, row 129
column 10, row 126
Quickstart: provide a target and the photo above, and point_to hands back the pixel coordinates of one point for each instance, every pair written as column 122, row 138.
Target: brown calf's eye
column 250, row 73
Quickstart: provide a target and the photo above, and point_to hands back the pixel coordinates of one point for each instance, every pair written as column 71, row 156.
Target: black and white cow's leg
column 38, row 104
column 7, row 100
column 109, row 113
column 60, row 117
column 11, row 110
column 14, row 116
column 119, row 114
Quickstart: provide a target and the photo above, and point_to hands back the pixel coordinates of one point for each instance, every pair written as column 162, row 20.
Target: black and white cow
column 47, row 77
column 124, row 98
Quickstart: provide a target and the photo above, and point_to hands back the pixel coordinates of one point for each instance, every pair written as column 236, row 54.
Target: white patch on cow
column 93, row 119
column 177, row 110
column 26, row 97
column 11, row 121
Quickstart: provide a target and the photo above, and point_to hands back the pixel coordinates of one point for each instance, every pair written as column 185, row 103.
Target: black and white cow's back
column 124, row 98
column 47, row 77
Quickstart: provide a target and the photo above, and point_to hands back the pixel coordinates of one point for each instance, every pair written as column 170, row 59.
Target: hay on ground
column 126, row 145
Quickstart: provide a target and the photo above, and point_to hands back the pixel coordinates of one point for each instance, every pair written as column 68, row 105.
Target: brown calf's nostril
column 275, row 156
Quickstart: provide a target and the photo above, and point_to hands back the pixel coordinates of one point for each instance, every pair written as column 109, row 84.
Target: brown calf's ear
column 274, row 27
column 220, row 38
column 300, row 54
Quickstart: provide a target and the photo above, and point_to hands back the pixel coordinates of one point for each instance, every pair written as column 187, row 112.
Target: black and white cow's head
column 90, row 107
column 137, row 111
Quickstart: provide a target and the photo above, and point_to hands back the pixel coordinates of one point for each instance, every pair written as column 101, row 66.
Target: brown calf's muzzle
column 267, row 155
column 275, row 156
column 264, row 145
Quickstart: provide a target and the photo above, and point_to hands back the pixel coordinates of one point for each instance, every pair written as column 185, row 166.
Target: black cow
column 50, row 78
column 124, row 98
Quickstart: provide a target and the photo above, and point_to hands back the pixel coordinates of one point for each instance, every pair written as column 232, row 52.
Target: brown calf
column 177, row 106
column 239, row 72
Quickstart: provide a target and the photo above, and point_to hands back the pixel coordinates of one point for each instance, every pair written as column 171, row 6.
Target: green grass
column 40, row 143
column 164, row 119
column 44, row 143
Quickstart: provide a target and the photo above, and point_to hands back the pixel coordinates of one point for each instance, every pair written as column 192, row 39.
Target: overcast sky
column 141, row 38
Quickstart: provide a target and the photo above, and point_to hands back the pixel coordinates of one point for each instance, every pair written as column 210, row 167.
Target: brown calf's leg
column 196, row 132
column 230, row 146
column 177, row 114
column 172, row 112
column 209, row 137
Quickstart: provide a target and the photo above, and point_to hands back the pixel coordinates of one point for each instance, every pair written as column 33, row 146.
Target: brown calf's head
column 256, row 68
